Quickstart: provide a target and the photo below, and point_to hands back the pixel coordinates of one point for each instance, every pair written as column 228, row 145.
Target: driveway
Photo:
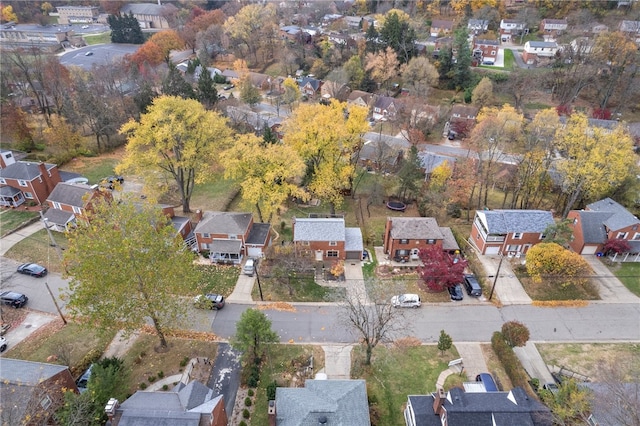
column 508, row 288
column 610, row 288
column 472, row 359
column 225, row 375
column 533, row 363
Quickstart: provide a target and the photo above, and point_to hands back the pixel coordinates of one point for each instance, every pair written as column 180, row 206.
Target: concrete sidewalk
column 15, row 237
column 533, row 363
column 32, row 323
column 337, row 361
column 610, row 288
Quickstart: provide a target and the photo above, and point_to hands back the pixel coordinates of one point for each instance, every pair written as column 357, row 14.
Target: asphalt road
column 225, row 375
column 99, row 54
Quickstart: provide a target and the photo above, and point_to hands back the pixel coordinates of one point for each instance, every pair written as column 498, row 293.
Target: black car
column 472, row 285
column 110, row 182
column 209, row 301
column 32, row 269
column 455, row 292
column 13, row 299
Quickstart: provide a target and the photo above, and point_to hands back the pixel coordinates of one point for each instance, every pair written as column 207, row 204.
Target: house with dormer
column 310, row 87
column 68, row 202
column 385, row 108
column 509, row 232
column 327, row 238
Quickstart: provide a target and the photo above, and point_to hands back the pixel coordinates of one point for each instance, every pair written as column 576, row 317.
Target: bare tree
column 617, row 395
column 367, row 312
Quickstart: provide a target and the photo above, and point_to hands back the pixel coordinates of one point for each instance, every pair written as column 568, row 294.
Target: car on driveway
column 209, row 301
column 472, row 285
column 13, row 299
column 456, row 292
column 406, row 301
column 111, row 181
column 32, row 269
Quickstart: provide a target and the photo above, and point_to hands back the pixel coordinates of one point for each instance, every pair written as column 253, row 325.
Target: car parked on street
column 3, row 344
column 472, row 285
column 406, row 301
column 456, row 292
column 32, row 269
column 13, row 299
column 209, row 301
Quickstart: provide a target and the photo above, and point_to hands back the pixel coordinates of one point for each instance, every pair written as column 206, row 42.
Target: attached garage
column 353, row 244
column 492, row 250
column 254, row 251
column 589, row 250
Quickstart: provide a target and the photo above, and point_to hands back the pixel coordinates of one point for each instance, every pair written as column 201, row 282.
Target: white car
column 84, row 27
column 3, row 344
column 406, row 301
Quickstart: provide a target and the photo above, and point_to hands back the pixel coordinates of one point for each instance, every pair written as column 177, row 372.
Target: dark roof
column 27, row 372
column 179, row 222
column 380, row 152
column 23, row 170
column 486, row 42
column 465, row 110
column 619, row 217
column 71, row 194
column 508, row 221
column 440, row 23
column 423, row 228
column 148, row 9
column 315, row 84
column 225, row 246
column 223, row 223
column 593, row 230
column 429, row 161
column 9, row 191
column 449, row 241
column 65, row 176
column 340, row 402
column 58, row 217
column 258, row 234
column 384, row 102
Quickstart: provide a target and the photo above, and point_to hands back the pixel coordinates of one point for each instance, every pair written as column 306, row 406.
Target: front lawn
column 296, row 289
column 628, row 273
column 37, row 249
column 547, row 290
column 219, row 279
column 508, row 59
column 12, row 219
column 395, row 373
column 103, row 38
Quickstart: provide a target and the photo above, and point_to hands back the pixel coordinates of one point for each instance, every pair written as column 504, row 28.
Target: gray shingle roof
column 223, row 223
column 449, row 242
column 416, row 228
column 71, row 194
column 147, row 9
column 9, row 191
column 384, row 102
column 258, row 234
column 341, row 402
column 58, row 217
column 593, row 230
column 543, row 44
column 508, row 221
column 319, row 229
column 315, row 84
column 27, row 372
column 619, row 218
column 225, row 246
column 429, row 161
column 23, row 170
column 353, row 239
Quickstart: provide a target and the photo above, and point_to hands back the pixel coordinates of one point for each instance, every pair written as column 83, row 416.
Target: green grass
column 219, row 279
column 37, row 248
column 509, row 59
column 93, row 168
column 536, row 105
column 396, row 372
column 304, row 289
column 98, row 38
column 629, row 274
column 214, row 195
column 11, row 219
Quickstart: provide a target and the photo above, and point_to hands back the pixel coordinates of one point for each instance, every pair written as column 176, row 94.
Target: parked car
column 249, row 267
column 487, row 380
column 84, row 380
column 456, row 292
column 3, row 344
column 88, row 54
column 84, row 27
column 551, row 387
column 228, row 87
column 406, row 301
column 111, row 181
column 13, row 299
column 209, row 301
column 32, row 269
column 472, row 285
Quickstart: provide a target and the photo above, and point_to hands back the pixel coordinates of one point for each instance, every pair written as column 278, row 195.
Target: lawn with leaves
column 398, row 371
column 219, row 279
column 629, row 274
column 297, row 289
column 37, row 248
column 12, row 219
column 94, row 168
column 98, row 38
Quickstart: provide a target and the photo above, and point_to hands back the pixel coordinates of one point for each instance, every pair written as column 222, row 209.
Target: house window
column 305, row 243
column 403, row 241
column 8, row 155
column 493, row 53
column 28, row 195
column 515, row 248
column 622, row 235
column 2, row 181
column 77, row 210
column 517, row 235
column 636, row 236
column 431, row 241
column 204, row 246
column 22, row 183
column 206, row 235
column 233, row 237
column 543, row 236
column 332, row 253
column 45, row 402
column 57, row 205
column 333, row 243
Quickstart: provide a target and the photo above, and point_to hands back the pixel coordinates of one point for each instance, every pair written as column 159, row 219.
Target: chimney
column 46, row 178
column 272, row 413
column 198, row 217
column 438, row 401
column 111, row 407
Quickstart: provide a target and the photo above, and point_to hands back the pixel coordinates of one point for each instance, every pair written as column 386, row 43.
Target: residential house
column 32, row 391
column 509, row 232
column 380, row 156
column 598, row 28
column 405, row 236
column 632, row 27
column 310, row 86
column 335, row 90
column 460, row 408
column 232, row 76
column 385, row 108
column 69, row 201
column 477, row 26
column 193, row 404
column 229, row 236
column 77, row 14
column 6, row 158
column 181, row 224
column 429, row 161
column 262, row 82
column 26, row 181
column 510, row 28
column 331, row 18
column 358, row 97
column 554, row 27
column 327, row 238
column 581, row 47
column 151, row 15
column 321, row 402
column 601, row 221
column 341, row 40
column 440, row 27
column 485, row 51
column 354, row 22
column 534, row 51
column 462, row 120
column 295, row 34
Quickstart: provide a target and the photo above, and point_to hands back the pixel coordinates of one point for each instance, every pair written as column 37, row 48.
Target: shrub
column 515, row 333
column 165, row 387
column 246, row 414
column 250, row 392
column 143, row 385
column 510, row 362
column 247, row 402
column 91, row 357
column 252, row 382
column 242, row 423
column 160, row 374
column 152, row 379
column 184, row 361
column 271, row 390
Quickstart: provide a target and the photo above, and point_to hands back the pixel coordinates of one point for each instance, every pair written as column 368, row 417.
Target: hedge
column 511, row 363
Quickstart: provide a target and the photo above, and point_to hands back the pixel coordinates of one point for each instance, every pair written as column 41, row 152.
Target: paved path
column 508, row 288
column 33, row 322
column 472, row 359
column 15, row 237
column 119, row 346
column 533, row 363
column 609, row 286
column 242, row 291
column 337, row 361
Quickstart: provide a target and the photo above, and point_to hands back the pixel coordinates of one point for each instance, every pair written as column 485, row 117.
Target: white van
column 249, row 267
column 406, row 301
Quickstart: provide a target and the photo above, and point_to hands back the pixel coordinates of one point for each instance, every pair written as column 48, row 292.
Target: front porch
column 11, row 197
column 226, row 252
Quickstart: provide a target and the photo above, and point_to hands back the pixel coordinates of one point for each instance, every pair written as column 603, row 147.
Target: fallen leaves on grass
column 560, row 303
column 278, row 306
column 183, row 334
column 407, row 342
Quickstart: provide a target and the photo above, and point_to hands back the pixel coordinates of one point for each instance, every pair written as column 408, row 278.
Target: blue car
column 32, row 269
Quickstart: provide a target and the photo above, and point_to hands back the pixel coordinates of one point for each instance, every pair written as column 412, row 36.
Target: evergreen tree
column 144, row 97
column 410, row 174
column 269, row 137
column 444, row 342
column 462, row 76
column 371, row 38
column 445, row 64
column 125, row 29
column 399, row 35
column 207, row 93
column 175, row 85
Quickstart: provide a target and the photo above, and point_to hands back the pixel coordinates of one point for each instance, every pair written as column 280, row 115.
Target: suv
column 249, row 267
column 13, row 299
column 472, row 285
column 406, row 301
column 209, row 301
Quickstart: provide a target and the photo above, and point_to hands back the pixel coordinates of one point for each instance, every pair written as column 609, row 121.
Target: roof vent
column 322, row 420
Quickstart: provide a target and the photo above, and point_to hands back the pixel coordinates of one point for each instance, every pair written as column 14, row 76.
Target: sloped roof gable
column 509, row 221
column 619, row 218
column 423, row 228
column 71, row 194
column 223, row 223
column 319, row 229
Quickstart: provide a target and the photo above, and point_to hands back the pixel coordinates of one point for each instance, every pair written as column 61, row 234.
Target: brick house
column 310, row 86
column 26, row 181
column 32, row 390
column 485, row 52
column 385, row 107
column 360, row 98
column 441, row 27
column 228, row 237
column 327, row 239
column 508, row 232
column 601, row 221
column 69, row 201
column 405, row 236
column 462, row 120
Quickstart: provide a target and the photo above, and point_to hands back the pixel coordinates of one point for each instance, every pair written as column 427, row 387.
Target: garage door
column 254, row 251
column 589, row 249
column 354, row 255
column 492, row 250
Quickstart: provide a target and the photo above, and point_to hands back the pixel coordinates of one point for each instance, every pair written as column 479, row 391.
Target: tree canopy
column 440, row 270
column 253, row 332
column 125, row 29
column 551, row 261
column 177, row 137
column 127, row 267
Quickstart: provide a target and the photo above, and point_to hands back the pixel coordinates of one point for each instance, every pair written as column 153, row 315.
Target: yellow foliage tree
column 62, row 136
column 439, row 176
column 552, row 262
column 402, row 16
column 8, row 15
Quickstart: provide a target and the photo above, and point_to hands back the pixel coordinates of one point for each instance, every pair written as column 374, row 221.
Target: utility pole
column 495, row 279
column 258, row 279
column 53, row 243
column 45, row 222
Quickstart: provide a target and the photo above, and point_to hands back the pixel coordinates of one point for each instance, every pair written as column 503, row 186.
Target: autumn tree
column 515, row 333
column 267, row 173
column 420, row 75
column 482, row 94
column 8, row 15
column 177, row 137
column 63, row 137
column 551, row 262
column 383, row 66
column 326, row 137
column 616, row 245
column 439, row 270
column 444, row 342
column 253, row 29
column 354, row 69
column 594, row 160
column 15, row 127
column 201, row 22
column 249, row 94
column 291, row 93
column 166, row 41
column 126, row 267
column 253, row 333
column 570, row 405
column 462, row 184
column 439, row 176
